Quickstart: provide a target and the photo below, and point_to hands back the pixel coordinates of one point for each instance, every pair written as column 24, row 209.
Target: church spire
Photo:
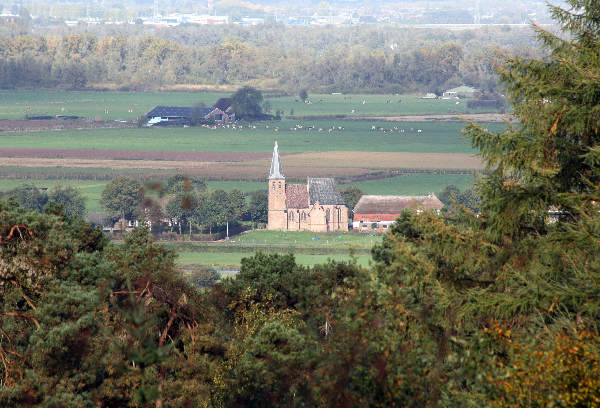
column 276, row 171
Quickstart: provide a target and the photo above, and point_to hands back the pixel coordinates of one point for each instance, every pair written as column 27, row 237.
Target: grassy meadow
column 434, row 137
column 414, row 184
column 113, row 105
column 309, row 248
column 90, row 104
column 225, row 260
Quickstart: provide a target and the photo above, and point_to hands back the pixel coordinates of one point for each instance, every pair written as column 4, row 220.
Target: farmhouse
column 461, row 92
column 378, row 212
column 316, row 206
column 221, row 112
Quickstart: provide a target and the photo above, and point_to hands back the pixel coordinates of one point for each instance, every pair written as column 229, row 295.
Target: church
column 315, row 206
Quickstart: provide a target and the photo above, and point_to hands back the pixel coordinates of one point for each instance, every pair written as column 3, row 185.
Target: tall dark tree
column 121, row 197
column 351, row 195
column 70, row 199
column 258, row 206
column 28, row 196
column 247, row 103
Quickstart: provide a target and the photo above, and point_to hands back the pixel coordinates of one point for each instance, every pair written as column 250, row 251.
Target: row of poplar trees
column 499, row 308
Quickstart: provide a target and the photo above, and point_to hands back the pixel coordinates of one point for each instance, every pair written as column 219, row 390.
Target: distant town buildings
column 455, row 16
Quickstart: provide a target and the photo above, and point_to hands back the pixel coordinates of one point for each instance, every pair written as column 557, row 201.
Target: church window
column 304, row 216
column 273, row 186
column 291, row 216
column 327, row 215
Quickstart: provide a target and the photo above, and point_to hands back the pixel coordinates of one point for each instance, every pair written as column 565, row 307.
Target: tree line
column 181, row 204
column 327, row 59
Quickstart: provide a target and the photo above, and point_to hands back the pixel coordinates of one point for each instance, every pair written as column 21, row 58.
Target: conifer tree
column 551, row 159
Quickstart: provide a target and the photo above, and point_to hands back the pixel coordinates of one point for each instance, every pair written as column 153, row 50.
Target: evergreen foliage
column 499, row 308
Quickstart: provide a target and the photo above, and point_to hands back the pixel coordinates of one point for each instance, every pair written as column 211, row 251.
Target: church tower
column 277, row 215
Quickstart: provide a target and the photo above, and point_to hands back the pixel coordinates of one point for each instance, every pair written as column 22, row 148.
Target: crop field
column 112, row 105
column 346, row 166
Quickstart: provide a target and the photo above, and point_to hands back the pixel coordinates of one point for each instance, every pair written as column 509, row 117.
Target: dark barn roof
column 170, row 112
column 387, row 204
column 325, row 191
column 296, row 196
column 223, row 104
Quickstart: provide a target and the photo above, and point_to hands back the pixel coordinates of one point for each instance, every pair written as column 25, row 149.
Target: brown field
column 111, row 154
column 239, row 166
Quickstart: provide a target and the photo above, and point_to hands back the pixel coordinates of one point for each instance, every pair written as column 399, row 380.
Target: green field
column 414, row 184
column 130, row 105
column 310, row 239
column 375, row 105
column 437, row 137
column 309, row 248
column 17, row 104
column 233, row 259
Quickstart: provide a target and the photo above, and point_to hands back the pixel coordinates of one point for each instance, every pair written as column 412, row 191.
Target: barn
column 221, row 113
column 378, row 212
column 170, row 115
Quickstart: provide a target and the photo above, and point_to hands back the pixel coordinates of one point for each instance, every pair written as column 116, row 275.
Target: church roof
column 325, row 191
column 296, row 196
column 276, row 170
column 388, row 204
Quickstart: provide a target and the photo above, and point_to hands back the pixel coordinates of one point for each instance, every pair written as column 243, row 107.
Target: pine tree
column 551, row 159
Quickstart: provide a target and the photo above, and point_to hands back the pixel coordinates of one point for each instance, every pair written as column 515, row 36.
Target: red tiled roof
column 373, row 204
column 296, row 195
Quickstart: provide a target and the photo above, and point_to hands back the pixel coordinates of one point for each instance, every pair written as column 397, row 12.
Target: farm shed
column 378, row 212
column 174, row 115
